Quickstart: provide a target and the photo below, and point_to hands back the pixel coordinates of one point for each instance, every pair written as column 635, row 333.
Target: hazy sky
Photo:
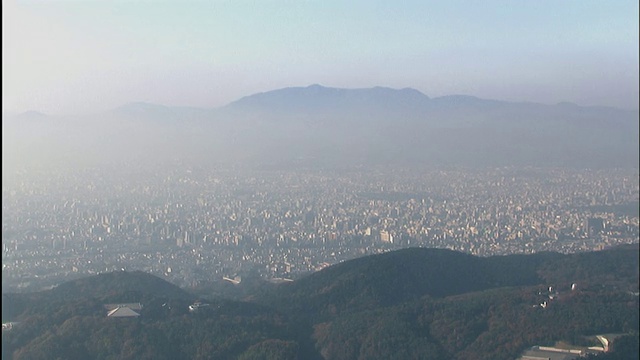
column 64, row 57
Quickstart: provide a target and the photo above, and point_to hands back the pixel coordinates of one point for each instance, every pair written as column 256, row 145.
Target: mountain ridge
column 316, row 88
column 341, row 127
column 402, row 275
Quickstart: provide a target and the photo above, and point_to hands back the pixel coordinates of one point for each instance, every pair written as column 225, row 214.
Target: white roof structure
column 122, row 312
column 132, row 306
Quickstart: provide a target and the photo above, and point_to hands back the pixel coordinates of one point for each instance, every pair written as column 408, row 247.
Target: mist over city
column 312, row 180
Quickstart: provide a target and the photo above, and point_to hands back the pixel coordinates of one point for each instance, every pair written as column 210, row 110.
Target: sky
column 75, row 57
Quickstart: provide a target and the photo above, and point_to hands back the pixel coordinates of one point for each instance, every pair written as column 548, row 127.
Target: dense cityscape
column 192, row 224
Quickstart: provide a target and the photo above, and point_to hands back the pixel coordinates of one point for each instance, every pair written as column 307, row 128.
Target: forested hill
column 408, row 274
column 411, row 303
column 403, row 275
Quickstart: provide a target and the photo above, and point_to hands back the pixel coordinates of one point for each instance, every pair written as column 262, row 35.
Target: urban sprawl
column 193, row 224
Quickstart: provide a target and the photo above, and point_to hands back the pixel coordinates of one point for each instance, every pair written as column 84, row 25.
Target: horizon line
column 12, row 113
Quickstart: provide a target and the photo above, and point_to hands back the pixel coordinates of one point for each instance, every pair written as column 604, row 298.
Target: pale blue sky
column 64, row 57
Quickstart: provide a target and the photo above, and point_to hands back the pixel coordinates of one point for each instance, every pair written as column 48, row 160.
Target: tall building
column 386, row 236
column 594, row 226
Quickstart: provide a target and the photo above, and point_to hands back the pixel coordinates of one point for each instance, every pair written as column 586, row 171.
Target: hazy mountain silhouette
column 316, row 100
column 31, row 116
column 326, row 126
column 382, row 125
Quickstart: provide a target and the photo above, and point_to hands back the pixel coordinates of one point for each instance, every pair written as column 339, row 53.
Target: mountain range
column 322, row 126
column 414, row 303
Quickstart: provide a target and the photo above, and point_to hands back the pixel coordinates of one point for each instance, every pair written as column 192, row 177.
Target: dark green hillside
column 223, row 329
column 382, row 280
column 120, row 286
column 225, row 334
column 403, row 275
column 492, row 324
column 112, row 284
column 399, row 276
column 602, row 268
column 407, row 304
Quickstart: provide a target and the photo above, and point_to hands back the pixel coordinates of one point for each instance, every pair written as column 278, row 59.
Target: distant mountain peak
column 32, row 115
column 315, row 96
column 25, row 117
column 567, row 104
